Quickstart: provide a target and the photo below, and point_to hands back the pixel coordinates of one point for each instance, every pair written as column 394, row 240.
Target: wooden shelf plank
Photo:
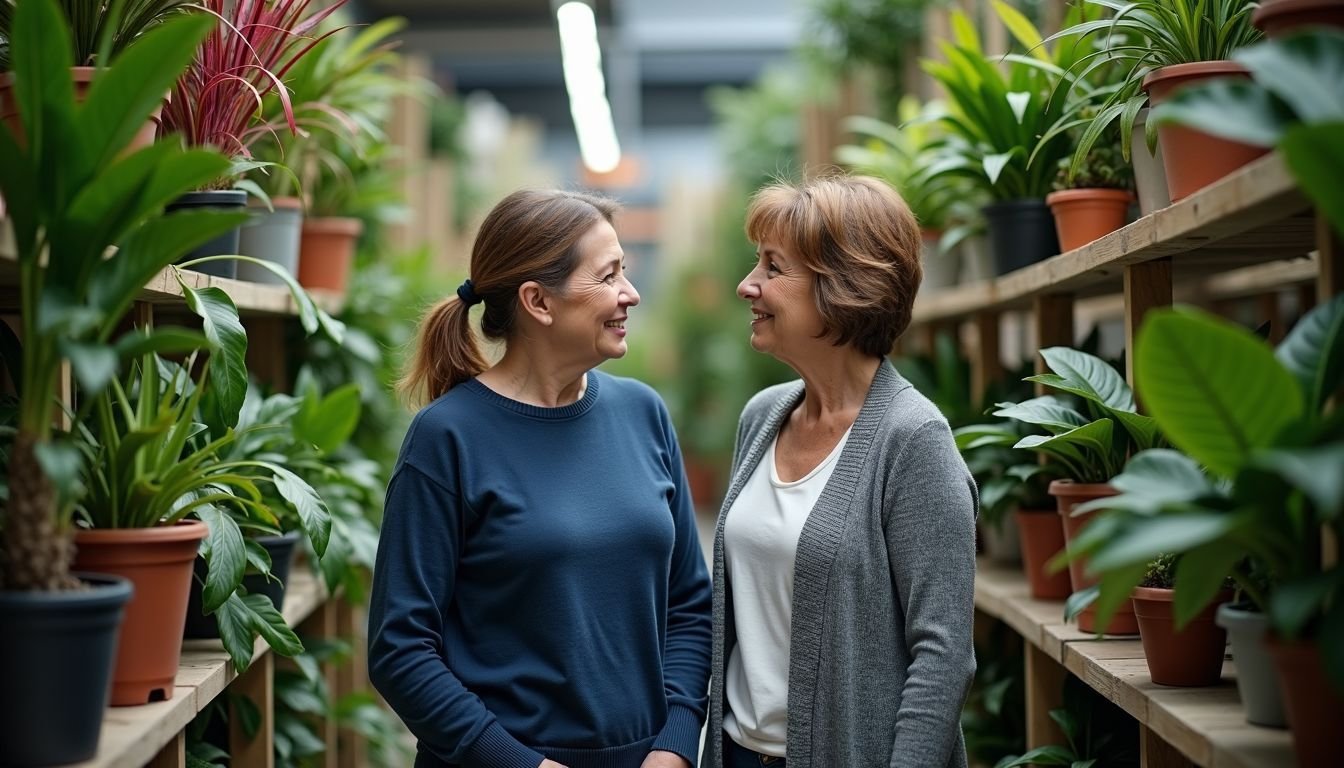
column 1206, row 725
column 1254, row 216
column 132, row 736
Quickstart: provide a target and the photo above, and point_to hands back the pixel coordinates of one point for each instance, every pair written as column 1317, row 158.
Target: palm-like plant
column 72, row 196
column 99, row 30
column 1143, row 36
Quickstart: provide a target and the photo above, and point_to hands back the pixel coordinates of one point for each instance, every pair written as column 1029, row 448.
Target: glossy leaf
column 1200, row 574
column 1315, row 155
column 1314, row 352
column 1087, row 376
column 228, row 348
column 225, row 555
column 1216, row 389
column 1317, row 471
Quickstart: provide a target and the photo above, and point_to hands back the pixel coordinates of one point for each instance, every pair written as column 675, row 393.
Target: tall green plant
column 72, row 195
column 1259, row 477
column 99, row 29
column 1006, row 113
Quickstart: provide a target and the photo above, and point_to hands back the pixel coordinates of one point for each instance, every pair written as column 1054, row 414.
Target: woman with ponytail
column 540, row 597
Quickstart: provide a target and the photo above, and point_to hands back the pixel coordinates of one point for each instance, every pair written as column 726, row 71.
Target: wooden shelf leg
column 258, row 685
column 173, row 754
column 322, row 625
column 1330, row 246
column 1045, row 691
column 1147, row 287
column 349, row 624
column 987, row 365
column 1156, row 753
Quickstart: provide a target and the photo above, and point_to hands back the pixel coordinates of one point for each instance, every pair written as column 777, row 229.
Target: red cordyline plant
column 218, row 101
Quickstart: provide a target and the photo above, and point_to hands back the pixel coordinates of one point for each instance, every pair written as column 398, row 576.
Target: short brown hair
column 530, row 235
column 861, row 240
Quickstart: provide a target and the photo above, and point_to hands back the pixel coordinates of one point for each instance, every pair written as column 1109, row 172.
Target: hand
column 551, row 764
column 659, row 758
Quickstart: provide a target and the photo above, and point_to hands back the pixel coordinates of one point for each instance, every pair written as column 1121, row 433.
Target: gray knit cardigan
column 881, row 656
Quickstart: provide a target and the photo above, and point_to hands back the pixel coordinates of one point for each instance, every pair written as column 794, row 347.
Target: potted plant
column 1097, row 734
column 1188, row 655
column 1163, row 46
column 1094, row 202
column 1262, row 423
column 65, row 217
column 1091, row 445
column 1281, row 18
column 902, row 156
column 217, row 101
column 99, row 31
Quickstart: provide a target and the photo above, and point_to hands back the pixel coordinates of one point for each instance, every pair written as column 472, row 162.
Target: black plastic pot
column 281, row 549
column 1021, row 233
column 225, row 244
column 56, row 655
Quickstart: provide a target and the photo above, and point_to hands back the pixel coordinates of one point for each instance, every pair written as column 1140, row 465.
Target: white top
column 760, row 543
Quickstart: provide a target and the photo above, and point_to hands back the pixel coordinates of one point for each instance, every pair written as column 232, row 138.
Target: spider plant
column 99, row 29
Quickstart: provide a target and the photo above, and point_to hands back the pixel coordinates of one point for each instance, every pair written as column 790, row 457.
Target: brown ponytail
column 531, row 235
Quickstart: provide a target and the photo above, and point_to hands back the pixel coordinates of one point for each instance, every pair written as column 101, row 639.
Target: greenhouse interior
column 1035, row 308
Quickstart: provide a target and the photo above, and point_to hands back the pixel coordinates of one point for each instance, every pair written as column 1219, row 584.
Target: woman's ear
column 536, row 302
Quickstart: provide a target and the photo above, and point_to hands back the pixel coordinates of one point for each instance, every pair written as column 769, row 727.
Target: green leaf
column 1163, row 475
column 1172, row 533
column 94, row 365
column 1297, row 602
column 228, row 348
column 1087, row 376
column 313, row 514
column 40, row 56
column 1318, row 472
column 271, row 626
column 1314, row 352
column 1238, row 110
column 235, row 631
column 1086, row 451
column 328, row 422
column 1315, row 156
column 63, row 464
column 169, row 340
column 1047, row 411
column 1115, row 588
column 1078, row 602
column 258, row 559
column 122, row 96
column 1215, row 389
column 1201, row 573
column 1304, row 70
column 225, row 556
column 248, row 714
column 1049, row 755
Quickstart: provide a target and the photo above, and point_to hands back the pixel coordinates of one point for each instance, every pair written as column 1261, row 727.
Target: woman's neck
column 528, row 375
column 836, row 385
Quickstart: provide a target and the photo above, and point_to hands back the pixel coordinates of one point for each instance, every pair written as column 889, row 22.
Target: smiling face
column 785, row 321
column 590, row 314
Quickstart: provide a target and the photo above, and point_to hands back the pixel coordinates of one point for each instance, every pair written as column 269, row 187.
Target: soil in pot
column 1191, row 656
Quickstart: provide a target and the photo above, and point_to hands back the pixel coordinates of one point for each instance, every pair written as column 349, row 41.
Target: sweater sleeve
column 687, row 655
column 413, row 583
column 929, row 525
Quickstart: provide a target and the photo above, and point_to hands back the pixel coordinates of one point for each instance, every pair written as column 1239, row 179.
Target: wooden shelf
column 132, row 736
column 1255, row 216
column 252, row 299
column 1207, row 725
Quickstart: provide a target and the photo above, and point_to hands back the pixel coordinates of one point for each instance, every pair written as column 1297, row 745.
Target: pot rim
column 333, row 225
column 1080, row 194
column 1067, row 487
column 182, row 530
column 1193, row 69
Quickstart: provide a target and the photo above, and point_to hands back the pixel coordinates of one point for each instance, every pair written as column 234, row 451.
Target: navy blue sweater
column 539, row 588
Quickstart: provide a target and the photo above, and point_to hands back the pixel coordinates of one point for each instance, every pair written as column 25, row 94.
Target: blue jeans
column 737, row 756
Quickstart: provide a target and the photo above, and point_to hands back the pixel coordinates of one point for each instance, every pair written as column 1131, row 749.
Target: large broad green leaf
column 1087, row 376
column 1152, row 481
column 1238, row 110
column 1297, row 602
column 1200, row 574
column 1046, row 411
column 272, row 627
column 1087, row 451
column 1143, row 430
column 1318, row 472
column 1145, row 539
column 1314, row 352
column 1315, row 155
column 228, row 349
column 1304, row 70
column 122, row 96
column 1115, row 588
column 169, row 340
column 40, row 54
column 327, row 422
column 1216, row 389
column 226, row 557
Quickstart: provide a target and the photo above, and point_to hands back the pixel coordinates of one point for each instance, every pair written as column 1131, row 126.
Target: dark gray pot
column 281, row 549
column 57, row 650
column 1257, row 680
column 1021, row 233
column 272, row 236
column 225, row 244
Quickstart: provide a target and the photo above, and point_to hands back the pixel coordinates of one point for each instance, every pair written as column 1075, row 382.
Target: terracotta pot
column 1194, row 159
column 83, row 78
column 1069, row 495
column 1042, row 538
column 157, row 561
column 1085, row 215
column 1312, row 705
column 1281, row 18
column 327, row 251
column 1191, row 656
